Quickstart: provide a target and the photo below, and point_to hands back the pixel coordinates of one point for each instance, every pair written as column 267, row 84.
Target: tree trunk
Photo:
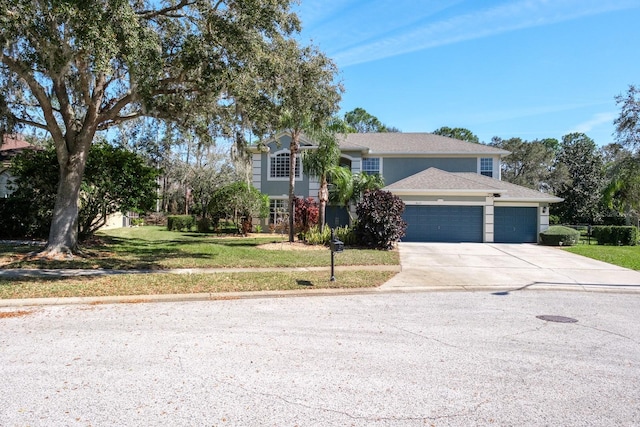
column 323, row 196
column 293, row 150
column 63, row 234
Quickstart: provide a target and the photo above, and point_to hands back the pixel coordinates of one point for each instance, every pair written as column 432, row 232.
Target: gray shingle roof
column 413, row 143
column 436, row 180
column 511, row 191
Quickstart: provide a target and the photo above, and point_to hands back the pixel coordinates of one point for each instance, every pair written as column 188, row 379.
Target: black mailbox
column 336, row 245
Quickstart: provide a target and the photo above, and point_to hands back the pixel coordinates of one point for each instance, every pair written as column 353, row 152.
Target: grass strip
column 623, row 256
column 162, row 283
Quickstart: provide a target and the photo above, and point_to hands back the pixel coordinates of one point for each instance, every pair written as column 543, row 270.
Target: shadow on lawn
column 109, row 252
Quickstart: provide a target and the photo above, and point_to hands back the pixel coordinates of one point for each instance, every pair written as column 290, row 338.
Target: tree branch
column 39, row 92
column 119, row 119
column 91, row 120
column 68, row 115
column 150, row 14
column 32, row 123
column 83, row 71
column 113, row 112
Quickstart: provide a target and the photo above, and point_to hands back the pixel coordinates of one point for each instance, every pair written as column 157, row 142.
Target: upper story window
column 371, row 165
column 486, row 167
column 279, row 166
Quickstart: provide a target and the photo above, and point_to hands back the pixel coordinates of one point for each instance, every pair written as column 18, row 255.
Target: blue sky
column 508, row 68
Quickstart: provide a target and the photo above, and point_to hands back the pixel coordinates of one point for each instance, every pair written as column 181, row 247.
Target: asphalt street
column 398, row 359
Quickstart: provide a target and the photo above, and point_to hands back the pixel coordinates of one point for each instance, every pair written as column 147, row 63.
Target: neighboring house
column 11, row 145
column 451, row 188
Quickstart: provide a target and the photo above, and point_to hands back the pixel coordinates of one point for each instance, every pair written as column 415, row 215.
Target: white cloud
column 594, row 122
column 503, row 18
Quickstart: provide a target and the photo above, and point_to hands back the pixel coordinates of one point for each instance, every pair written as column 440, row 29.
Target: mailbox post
column 336, row 246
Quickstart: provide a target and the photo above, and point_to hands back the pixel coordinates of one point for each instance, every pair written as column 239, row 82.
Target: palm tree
column 348, row 187
column 319, row 163
column 364, row 182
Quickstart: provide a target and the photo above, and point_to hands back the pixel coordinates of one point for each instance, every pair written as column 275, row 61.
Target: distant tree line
column 599, row 185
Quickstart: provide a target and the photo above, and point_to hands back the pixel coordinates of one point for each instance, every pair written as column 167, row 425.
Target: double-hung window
column 371, row 165
column 486, row 166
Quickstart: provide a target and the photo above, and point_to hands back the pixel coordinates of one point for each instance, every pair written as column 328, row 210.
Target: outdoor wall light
column 544, row 209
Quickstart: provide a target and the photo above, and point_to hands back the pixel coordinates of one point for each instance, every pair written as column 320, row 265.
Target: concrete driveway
column 504, row 267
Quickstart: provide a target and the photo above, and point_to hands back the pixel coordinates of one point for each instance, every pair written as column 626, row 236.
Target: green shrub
column 137, row 222
column 258, row 228
column 180, row 222
column 616, row 235
column 315, row 237
column 380, row 224
column 203, row 225
column 227, row 227
column 558, row 235
column 347, row 235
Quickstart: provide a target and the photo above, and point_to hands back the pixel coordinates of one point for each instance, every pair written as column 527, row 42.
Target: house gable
column 270, row 167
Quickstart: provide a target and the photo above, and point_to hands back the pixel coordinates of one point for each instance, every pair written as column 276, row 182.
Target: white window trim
column 379, row 163
column 286, row 178
column 493, row 166
column 285, row 214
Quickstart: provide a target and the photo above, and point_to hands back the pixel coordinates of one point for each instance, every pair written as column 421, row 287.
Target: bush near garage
column 616, row 235
column 558, row 235
column 380, row 224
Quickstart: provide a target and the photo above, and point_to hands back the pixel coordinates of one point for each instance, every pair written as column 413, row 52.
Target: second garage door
column 444, row 223
column 516, row 225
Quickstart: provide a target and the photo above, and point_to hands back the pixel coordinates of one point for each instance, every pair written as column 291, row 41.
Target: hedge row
column 616, row 235
column 180, row 222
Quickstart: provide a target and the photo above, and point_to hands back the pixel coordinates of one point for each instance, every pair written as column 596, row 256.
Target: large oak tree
column 74, row 68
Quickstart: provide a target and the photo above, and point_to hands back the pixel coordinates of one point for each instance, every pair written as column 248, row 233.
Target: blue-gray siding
column 394, row 169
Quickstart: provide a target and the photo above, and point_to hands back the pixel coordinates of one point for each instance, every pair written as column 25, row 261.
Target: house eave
column 435, row 192
column 530, row 199
column 434, row 154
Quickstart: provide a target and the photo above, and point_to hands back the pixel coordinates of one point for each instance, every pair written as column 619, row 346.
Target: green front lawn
column 624, row 256
column 156, row 248
column 162, row 283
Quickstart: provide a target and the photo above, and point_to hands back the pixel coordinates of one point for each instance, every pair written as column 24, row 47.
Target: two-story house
column 452, row 189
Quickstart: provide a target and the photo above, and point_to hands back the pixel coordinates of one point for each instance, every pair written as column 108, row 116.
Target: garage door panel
column 444, row 223
column 515, row 224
